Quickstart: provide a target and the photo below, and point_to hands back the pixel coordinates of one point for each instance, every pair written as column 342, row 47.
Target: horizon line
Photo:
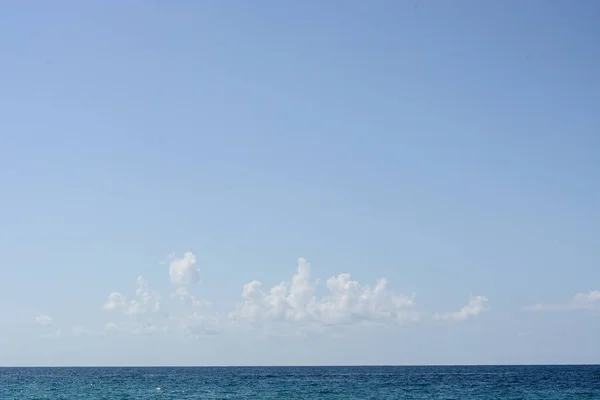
column 303, row 365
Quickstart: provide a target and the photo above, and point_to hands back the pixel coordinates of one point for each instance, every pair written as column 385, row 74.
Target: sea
column 344, row 383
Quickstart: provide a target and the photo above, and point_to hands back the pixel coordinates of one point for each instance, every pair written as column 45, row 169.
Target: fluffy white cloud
column 115, row 300
column 580, row 301
column 183, row 271
column 43, row 320
column 348, row 302
column 474, row 307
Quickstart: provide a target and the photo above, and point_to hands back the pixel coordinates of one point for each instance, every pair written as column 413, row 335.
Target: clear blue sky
column 452, row 148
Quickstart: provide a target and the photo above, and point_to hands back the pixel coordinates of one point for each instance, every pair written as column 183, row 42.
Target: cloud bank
column 299, row 305
column 292, row 304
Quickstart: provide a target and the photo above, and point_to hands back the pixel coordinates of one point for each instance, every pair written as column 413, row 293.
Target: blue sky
column 451, row 148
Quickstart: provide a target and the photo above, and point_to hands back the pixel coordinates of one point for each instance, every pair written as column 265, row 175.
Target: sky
column 299, row 183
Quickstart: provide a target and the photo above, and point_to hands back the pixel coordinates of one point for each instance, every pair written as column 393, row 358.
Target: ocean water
column 347, row 383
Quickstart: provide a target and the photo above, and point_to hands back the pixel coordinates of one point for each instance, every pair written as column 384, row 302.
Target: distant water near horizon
column 347, row 383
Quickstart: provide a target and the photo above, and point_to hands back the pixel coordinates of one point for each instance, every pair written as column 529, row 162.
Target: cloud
column 79, row 331
column 144, row 314
column 133, row 308
column 145, row 301
column 301, row 304
column 148, row 328
column 581, row 301
column 135, row 327
column 139, row 315
column 142, row 290
column 197, row 324
column 183, row 271
column 347, row 303
column 474, row 307
column 43, row 320
column 115, row 300
column 181, row 292
column 55, row 334
column 194, row 322
column 111, row 326
column 184, row 295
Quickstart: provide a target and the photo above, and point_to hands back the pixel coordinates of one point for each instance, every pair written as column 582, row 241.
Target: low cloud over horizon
column 288, row 307
column 581, row 301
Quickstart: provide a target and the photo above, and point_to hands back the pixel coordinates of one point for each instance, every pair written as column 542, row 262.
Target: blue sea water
column 347, row 383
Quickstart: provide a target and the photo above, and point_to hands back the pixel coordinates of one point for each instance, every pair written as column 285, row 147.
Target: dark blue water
column 499, row 382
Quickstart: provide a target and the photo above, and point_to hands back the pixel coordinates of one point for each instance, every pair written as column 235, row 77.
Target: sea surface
column 483, row 382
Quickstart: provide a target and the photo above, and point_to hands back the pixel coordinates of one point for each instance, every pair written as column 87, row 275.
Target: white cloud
column 184, row 295
column 43, row 320
column 474, row 307
column 194, row 322
column 351, row 301
column 183, row 271
column 348, row 302
column 142, row 314
column 133, row 308
column 591, row 297
column 115, row 300
column 168, row 258
column 142, row 290
column 196, row 303
column 580, row 301
column 145, row 301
